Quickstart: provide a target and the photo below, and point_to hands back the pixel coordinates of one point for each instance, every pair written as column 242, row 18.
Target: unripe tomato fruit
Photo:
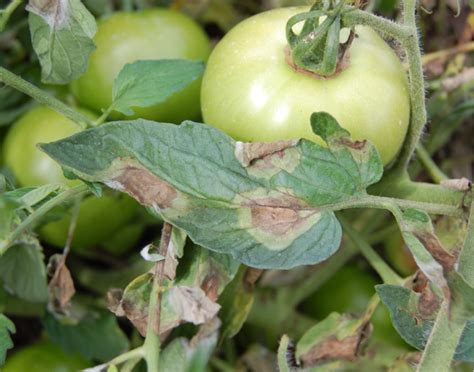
column 100, row 219
column 44, row 357
column 151, row 34
column 30, row 165
column 250, row 91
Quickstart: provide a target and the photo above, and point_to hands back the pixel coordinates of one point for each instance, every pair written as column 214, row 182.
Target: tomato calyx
column 317, row 50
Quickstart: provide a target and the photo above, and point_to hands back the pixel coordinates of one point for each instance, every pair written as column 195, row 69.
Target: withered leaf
column 61, row 286
column 338, row 337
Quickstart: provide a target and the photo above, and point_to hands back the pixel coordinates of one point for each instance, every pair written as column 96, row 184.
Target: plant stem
column 7, row 12
column 380, row 202
column 104, row 116
column 466, row 261
column 399, row 185
column 42, row 97
column 385, row 272
column 132, row 354
column 442, row 343
column 386, row 27
column 418, row 116
column 407, row 35
column 430, row 166
column 76, row 191
column 152, row 341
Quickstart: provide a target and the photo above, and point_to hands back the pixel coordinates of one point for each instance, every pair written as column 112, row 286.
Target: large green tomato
column 100, row 220
column 349, row 291
column 250, row 91
column 30, row 165
column 44, row 357
column 152, row 34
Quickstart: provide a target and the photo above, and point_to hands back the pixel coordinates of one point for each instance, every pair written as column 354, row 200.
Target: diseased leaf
column 23, row 272
column 61, row 286
column 183, row 355
column 202, row 276
column 337, row 337
column 429, row 254
column 236, row 303
column 61, row 33
column 413, row 315
column 6, row 328
column 96, row 336
column 146, row 83
column 276, row 212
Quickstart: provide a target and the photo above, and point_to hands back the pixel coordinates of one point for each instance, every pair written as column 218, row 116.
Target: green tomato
column 44, row 357
column 30, row 165
column 399, row 255
column 250, row 91
column 349, row 291
column 99, row 223
column 152, row 34
column 100, row 219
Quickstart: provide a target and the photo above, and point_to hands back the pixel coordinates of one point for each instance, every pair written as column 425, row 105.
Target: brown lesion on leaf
column 147, row 188
column 356, row 145
column 277, row 216
column 434, row 246
column 428, row 303
column 210, row 286
column 333, row 348
column 54, row 12
column 246, row 152
column 274, row 218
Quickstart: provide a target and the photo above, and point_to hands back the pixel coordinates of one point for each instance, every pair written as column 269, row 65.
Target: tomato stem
column 466, row 260
column 385, row 272
column 33, row 218
column 44, row 98
column 7, row 12
column 429, row 165
column 442, row 343
column 152, row 341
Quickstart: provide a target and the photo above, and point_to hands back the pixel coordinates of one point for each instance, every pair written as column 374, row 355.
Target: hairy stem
column 466, row 261
column 380, row 202
column 442, row 343
column 429, row 165
column 7, row 12
column 42, row 97
column 385, row 272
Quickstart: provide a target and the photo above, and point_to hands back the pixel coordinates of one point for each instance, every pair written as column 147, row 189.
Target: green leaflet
column 146, row 83
column 61, row 33
column 6, row 343
column 266, row 204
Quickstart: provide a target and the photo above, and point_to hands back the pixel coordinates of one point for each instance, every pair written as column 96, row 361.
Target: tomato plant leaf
column 61, row 33
column 6, row 328
column 96, row 336
column 428, row 252
column 201, row 277
column 23, row 272
column 337, row 337
column 273, row 211
column 236, row 303
column 183, row 355
column 146, row 83
column 413, row 316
